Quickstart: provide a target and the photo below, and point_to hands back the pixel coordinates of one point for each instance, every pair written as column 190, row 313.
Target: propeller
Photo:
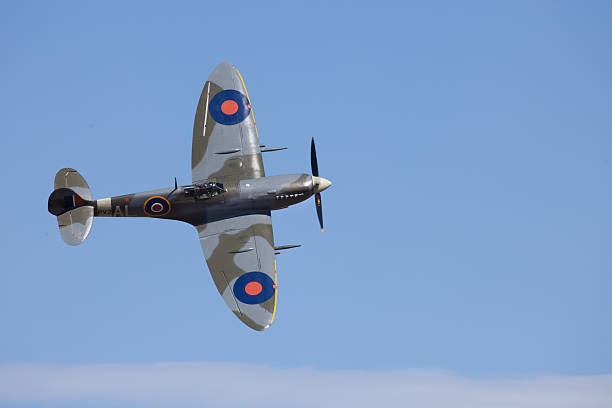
column 319, row 183
column 313, row 159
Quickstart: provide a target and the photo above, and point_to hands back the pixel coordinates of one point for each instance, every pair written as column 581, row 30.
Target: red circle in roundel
column 157, row 207
column 253, row 288
column 229, row 107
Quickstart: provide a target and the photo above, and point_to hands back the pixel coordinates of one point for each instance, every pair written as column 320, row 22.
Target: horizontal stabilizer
column 72, row 204
column 75, row 225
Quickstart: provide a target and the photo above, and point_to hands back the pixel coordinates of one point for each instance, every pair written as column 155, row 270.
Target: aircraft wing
column 225, row 146
column 239, row 252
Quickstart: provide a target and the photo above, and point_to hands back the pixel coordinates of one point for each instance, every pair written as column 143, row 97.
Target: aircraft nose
column 320, row 184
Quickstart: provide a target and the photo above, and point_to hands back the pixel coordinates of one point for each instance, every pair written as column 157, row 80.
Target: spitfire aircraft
column 229, row 201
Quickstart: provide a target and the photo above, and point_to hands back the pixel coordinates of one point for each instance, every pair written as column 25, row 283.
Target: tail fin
column 72, row 203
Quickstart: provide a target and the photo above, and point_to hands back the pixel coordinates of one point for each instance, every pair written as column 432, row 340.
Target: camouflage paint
column 234, row 227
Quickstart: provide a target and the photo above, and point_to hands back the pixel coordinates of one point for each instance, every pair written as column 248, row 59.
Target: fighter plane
column 229, row 201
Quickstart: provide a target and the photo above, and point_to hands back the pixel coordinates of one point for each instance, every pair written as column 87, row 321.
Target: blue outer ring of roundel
column 229, row 94
column 267, row 285
column 157, row 200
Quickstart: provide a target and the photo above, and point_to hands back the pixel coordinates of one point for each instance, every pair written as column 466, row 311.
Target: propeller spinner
column 319, row 183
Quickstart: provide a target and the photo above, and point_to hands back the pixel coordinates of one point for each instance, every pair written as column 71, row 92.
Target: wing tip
column 251, row 323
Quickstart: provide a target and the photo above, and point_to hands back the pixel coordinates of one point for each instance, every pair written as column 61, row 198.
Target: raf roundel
column 157, row 206
column 229, row 107
column 254, row 287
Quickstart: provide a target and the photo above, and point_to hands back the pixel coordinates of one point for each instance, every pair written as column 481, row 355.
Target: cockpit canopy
column 204, row 190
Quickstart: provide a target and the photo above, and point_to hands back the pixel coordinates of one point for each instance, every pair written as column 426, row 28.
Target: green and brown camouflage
column 229, row 201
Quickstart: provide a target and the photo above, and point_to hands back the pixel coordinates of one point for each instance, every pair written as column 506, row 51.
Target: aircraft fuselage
column 264, row 194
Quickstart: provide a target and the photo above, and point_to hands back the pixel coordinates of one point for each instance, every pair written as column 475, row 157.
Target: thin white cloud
column 243, row 385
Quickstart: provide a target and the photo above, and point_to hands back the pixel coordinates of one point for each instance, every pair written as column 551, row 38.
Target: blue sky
column 468, row 229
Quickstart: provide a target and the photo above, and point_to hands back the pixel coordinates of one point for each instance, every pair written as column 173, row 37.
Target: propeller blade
column 319, row 209
column 313, row 159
